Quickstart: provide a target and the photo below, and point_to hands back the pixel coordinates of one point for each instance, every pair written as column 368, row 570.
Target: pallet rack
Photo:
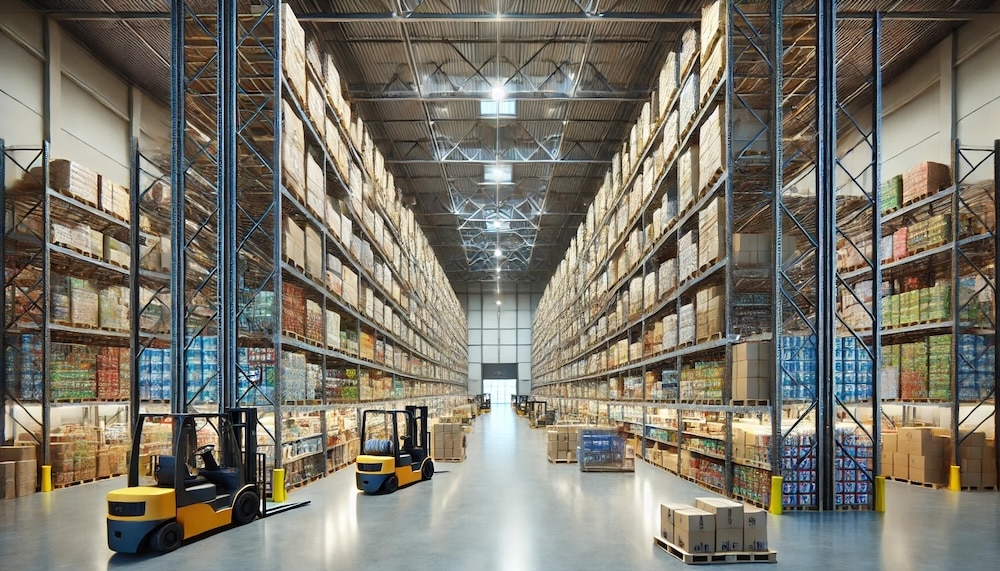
column 780, row 116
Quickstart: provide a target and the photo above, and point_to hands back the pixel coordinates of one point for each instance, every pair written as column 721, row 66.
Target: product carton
column 754, row 529
column 16, row 453
column 8, row 480
column 694, row 530
column 667, row 519
column 901, row 466
column 25, row 476
column 889, row 442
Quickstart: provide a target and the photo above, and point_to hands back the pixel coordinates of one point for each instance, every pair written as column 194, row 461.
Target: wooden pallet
column 750, row 402
column 710, row 183
column 929, row 485
column 70, row 195
column 769, row 556
column 449, row 460
column 561, row 461
column 978, row 488
column 76, row 400
column 306, row 402
column 713, row 337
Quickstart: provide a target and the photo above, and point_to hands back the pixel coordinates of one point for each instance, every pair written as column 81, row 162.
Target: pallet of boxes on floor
column 448, row 442
column 924, row 455
column 18, row 471
column 714, row 530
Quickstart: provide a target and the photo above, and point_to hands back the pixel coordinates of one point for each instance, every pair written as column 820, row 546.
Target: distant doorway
column 500, row 389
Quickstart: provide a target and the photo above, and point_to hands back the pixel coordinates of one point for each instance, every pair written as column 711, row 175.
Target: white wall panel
column 508, row 319
column 524, row 336
column 508, row 337
column 475, row 337
column 95, row 136
column 490, row 319
column 22, row 21
column 475, row 319
column 490, row 337
column 508, row 354
column 475, row 353
column 475, row 372
column 524, row 353
column 80, row 66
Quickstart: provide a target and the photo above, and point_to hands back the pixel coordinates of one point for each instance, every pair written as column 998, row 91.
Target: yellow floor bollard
column 776, row 495
column 278, row 493
column 955, row 479
column 46, row 478
column 880, row 494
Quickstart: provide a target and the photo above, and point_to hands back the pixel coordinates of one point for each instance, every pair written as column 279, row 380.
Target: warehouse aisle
column 506, row 508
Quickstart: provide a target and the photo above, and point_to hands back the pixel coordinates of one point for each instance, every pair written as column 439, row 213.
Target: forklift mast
column 418, row 428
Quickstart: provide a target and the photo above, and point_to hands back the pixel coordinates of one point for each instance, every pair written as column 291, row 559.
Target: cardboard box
column 694, row 519
column 972, row 480
column 754, row 529
column 8, row 480
column 889, row 442
column 16, row 453
column 901, row 466
column 971, row 465
column 667, row 519
column 25, row 476
column 728, row 514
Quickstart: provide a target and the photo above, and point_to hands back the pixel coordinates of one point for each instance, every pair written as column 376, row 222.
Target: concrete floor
column 506, row 508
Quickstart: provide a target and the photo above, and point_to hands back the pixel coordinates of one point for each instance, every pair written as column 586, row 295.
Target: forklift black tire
column 391, row 485
column 427, row 471
column 167, row 538
column 246, row 508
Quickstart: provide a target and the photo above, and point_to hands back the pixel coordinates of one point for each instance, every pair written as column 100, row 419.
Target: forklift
column 484, row 403
column 537, row 413
column 213, row 478
column 395, row 449
column 522, row 405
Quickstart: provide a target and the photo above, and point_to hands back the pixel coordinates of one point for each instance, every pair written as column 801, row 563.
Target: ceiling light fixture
column 498, row 92
column 498, row 253
column 497, row 224
column 498, row 301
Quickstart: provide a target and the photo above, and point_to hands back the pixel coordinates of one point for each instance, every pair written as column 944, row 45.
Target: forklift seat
column 199, row 488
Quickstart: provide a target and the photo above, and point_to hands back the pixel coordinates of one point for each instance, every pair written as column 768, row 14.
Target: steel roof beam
column 478, row 161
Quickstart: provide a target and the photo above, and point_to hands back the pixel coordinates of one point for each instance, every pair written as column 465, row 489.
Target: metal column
column 826, row 208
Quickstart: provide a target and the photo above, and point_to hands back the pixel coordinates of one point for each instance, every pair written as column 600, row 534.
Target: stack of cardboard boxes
column 563, row 442
column 714, row 525
column 448, row 441
column 18, row 471
column 925, row 454
column 753, row 371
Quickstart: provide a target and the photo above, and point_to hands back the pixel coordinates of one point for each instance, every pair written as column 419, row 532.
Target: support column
column 52, row 82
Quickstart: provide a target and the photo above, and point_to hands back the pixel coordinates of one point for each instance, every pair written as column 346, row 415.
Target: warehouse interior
column 743, row 250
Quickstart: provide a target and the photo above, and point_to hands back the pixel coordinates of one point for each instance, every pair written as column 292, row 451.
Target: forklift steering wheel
column 206, row 449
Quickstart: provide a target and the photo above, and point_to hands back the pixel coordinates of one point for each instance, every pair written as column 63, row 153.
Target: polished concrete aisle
column 505, row 508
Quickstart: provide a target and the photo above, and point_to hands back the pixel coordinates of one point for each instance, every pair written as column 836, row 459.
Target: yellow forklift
column 522, row 405
column 484, row 403
column 395, row 450
column 212, row 478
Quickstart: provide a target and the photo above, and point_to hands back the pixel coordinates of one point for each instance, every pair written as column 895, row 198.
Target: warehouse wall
column 500, row 333
column 93, row 111
column 917, row 106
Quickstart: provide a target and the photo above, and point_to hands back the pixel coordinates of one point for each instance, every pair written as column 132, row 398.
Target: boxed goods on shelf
column 688, row 186
column 293, row 52
column 117, row 252
column 711, row 232
column 688, row 104
column 293, row 147
column 685, row 325
column 670, row 332
column 703, row 381
column 687, row 261
column 712, row 150
column 316, row 106
column 313, row 252
column 294, row 242
column 688, row 51
column 315, row 199
column 668, row 82
column 752, row 250
column 113, row 308
column 714, row 21
column 314, row 321
column 292, row 309
column 115, row 199
column 752, row 371
column 711, row 313
column 671, row 138
column 73, row 178
column 891, row 194
column 925, row 179
column 84, row 302
column 713, row 68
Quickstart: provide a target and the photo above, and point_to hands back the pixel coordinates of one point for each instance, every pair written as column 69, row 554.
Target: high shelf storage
column 698, row 304
column 302, row 287
column 302, row 263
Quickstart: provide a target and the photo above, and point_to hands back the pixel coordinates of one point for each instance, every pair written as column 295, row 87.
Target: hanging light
column 498, row 253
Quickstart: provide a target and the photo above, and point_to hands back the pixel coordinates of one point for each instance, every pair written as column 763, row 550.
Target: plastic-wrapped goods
column 671, row 139
column 313, row 252
column 713, row 68
column 84, row 303
column 113, row 302
column 294, row 242
column 670, row 332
